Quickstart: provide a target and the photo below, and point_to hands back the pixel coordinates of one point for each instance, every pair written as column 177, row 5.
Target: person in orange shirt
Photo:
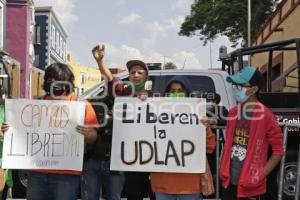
column 60, row 184
column 183, row 186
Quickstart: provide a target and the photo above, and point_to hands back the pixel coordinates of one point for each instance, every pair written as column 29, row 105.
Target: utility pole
column 210, row 56
column 249, row 29
column 165, row 60
column 184, row 63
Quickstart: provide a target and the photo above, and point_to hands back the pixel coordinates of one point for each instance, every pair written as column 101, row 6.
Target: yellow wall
column 286, row 29
column 91, row 75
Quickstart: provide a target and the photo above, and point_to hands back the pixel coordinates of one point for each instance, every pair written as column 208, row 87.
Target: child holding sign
column 60, row 184
column 173, row 186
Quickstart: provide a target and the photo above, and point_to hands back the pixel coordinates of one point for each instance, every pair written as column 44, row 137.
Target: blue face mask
column 240, row 95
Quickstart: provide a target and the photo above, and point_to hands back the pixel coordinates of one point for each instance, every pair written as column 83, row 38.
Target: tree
column 170, row 65
column 210, row 18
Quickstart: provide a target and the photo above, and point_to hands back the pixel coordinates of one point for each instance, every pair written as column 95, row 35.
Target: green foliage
column 210, row 18
column 170, row 65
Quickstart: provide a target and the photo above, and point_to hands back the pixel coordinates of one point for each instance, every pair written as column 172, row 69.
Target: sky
column 133, row 29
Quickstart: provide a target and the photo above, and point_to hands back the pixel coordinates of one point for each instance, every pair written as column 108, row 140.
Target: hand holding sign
column 89, row 133
column 4, row 128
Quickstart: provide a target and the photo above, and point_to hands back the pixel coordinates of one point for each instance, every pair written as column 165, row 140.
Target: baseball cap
column 246, row 75
column 131, row 63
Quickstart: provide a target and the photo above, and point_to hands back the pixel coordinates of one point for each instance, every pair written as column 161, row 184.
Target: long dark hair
column 59, row 72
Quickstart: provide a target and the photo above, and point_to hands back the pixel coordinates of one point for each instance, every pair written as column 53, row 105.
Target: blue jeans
column 163, row 196
column 96, row 174
column 42, row 186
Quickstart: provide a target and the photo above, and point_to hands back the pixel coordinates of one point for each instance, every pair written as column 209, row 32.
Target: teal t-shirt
column 2, row 112
column 9, row 180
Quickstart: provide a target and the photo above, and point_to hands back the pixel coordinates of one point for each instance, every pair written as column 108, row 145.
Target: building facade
column 85, row 77
column 50, row 38
column 282, row 25
column 20, row 36
column 3, row 25
column 3, row 75
column 9, row 67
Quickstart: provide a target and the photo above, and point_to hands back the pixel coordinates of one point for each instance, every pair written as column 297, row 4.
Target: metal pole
column 217, row 164
column 184, row 63
column 280, row 186
column 249, row 29
column 210, row 56
column 164, row 60
column 298, row 62
column 298, row 177
column 240, row 60
column 269, row 72
column 223, row 66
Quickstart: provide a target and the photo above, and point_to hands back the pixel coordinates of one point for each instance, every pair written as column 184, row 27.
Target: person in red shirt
column 251, row 129
column 137, row 184
column 60, row 184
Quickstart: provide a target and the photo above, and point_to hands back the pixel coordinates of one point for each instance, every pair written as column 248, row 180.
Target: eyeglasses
column 240, row 87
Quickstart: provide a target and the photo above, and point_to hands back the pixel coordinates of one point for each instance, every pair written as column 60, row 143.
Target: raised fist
column 98, row 52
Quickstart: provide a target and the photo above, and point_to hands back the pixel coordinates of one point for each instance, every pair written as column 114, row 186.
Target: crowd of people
column 250, row 129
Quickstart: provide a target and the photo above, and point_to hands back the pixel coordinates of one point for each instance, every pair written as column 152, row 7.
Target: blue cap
column 246, row 75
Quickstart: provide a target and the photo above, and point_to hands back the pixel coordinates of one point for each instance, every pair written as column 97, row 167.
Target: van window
column 199, row 83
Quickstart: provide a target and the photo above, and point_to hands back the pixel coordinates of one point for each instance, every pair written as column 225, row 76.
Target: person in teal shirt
column 9, row 178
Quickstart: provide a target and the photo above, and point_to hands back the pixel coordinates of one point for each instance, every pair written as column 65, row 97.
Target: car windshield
column 198, row 83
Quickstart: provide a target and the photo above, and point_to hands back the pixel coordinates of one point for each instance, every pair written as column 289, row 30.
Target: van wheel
column 289, row 178
column 20, row 184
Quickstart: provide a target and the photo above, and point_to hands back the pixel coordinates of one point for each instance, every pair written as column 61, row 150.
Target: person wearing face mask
column 60, row 184
column 215, row 110
column 137, row 184
column 216, row 114
column 183, row 186
column 251, row 129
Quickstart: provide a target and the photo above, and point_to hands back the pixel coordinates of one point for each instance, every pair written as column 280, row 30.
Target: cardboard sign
column 159, row 135
column 42, row 134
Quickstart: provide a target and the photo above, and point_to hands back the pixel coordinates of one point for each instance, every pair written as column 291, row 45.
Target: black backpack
column 101, row 148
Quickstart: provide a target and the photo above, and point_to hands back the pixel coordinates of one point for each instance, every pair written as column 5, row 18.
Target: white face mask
column 240, row 95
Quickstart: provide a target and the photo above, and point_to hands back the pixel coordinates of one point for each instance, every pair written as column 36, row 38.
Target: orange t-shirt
column 181, row 183
column 90, row 119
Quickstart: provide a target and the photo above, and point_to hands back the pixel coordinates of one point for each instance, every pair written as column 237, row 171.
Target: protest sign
column 159, row 135
column 42, row 134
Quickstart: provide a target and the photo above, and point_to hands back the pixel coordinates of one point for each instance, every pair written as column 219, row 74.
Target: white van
column 201, row 80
